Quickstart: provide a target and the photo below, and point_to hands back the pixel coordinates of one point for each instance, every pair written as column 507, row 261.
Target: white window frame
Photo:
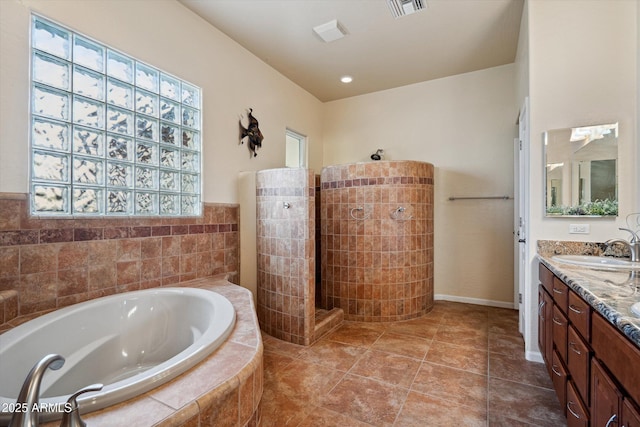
column 301, row 160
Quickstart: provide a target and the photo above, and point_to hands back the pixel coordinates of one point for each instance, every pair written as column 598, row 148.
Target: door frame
column 521, row 216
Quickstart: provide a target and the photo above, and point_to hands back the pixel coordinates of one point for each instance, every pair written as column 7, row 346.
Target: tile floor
column 460, row 365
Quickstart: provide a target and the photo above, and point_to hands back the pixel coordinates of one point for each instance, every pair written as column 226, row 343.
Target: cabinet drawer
column 546, row 277
column 578, row 362
column 580, row 315
column 560, row 325
column 577, row 414
column 617, row 353
column 559, row 378
column 560, row 294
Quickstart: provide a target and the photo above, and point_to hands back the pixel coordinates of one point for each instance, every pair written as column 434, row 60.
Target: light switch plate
column 579, row 228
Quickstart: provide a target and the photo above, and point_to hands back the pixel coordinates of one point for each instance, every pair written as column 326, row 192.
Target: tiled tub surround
column 286, row 253
column 377, row 262
column 225, row 389
column 48, row 263
column 610, row 293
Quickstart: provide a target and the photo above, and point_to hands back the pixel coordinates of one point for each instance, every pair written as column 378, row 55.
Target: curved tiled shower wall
column 377, row 239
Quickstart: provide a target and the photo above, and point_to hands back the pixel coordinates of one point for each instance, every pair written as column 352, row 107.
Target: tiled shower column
column 286, row 253
column 377, row 239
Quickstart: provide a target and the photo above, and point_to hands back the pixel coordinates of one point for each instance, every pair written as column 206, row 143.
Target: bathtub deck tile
column 230, row 359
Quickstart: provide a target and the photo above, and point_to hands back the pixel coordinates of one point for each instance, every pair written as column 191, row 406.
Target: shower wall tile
column 49, row 263
column 286, row 253
column 377, row 262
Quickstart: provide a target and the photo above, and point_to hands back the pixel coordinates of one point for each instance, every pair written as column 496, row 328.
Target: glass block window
column 110, row 135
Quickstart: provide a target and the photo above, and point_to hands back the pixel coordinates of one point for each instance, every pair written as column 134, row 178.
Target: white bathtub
column 130, row 342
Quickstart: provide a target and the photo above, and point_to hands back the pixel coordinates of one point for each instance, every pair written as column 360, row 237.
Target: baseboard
column 477, row 301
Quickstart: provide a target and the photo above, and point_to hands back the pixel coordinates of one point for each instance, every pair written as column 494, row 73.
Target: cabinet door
column 578, row 362
column 559, row 327
column 577, row 415
column 630, row 415
column 605, row 398
column 545, row 331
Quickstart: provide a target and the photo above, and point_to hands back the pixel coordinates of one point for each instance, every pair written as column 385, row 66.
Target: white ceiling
column 448, row 37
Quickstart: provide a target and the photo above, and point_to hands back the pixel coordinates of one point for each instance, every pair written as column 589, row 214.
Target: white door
column 521, row 218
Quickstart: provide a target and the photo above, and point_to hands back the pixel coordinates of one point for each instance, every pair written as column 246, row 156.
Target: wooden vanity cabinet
column 595, row 368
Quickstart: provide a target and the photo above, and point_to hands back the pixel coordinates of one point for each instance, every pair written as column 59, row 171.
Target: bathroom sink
column 597, row 262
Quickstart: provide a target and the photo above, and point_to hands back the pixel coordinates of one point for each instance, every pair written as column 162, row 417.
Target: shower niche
column 361, row 249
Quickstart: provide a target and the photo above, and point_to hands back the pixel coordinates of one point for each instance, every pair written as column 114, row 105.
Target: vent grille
column 405, row 7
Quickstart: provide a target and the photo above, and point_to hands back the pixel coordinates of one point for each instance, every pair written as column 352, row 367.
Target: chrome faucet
column 633, row 244
column 30, row 393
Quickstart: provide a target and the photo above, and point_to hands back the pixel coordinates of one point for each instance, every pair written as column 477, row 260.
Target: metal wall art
column 252, row 133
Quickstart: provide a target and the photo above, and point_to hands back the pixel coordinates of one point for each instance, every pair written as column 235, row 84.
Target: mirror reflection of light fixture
column 552, row 166
column 590, row 133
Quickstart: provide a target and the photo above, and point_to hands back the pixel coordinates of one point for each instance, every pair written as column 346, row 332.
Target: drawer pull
column 540, row 312
column 557, row 322
column 612, row 420
column 575, row 309
column 572, row 345
column 558, row 291
column 554, row 369
column 569, row 403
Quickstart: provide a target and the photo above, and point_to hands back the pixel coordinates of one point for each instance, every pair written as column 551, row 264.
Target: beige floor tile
column 358, row 334
column 422, row 327
column 514, row 367
column 367, row 400
column 306, row 380
column 506, row 344
column 390, row 368
column 321, row 417
column 425, row 411
column 524, row 403
column 453, row 385
column 463, row 336
column 459, row 357
column 404, row 345
column 333, row 354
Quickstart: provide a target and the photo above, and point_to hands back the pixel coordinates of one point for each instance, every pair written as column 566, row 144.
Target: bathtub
column 130, row 342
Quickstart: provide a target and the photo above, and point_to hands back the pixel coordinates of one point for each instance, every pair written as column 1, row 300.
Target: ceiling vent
column 330, row 31
column 405, row 7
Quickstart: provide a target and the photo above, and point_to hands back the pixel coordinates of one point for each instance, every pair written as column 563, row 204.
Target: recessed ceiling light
column 346, row 79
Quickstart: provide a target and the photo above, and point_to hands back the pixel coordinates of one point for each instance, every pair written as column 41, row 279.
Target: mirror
column 581, row 170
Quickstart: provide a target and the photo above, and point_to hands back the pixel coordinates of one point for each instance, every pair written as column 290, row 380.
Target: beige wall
column 465, row 126
column 166, row 35
column 581, row 69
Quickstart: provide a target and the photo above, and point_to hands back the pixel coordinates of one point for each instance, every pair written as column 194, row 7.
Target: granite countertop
column 610, row 293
